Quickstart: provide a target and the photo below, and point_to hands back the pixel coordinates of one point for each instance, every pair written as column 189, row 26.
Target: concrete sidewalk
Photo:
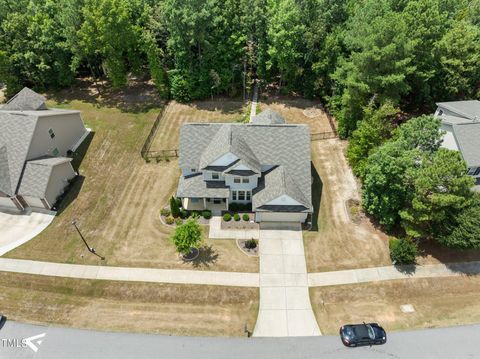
column 180, row 276
column 285, row 309
column 353, row 276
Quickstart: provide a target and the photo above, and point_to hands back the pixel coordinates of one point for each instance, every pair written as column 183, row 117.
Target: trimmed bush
column 233, row 207
column 227, row 217
column 251, row 244
column 402, row 251
column 165, row 212
column 246, row 217
column 184, row 213
column 169, row 220
column 236, row 217
column 207, row 214
column 179, row 202
column 178, row 221
column 174, row 207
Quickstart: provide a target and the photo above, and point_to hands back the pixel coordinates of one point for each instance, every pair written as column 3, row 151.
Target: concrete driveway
column 16, row 229
column 285, row 308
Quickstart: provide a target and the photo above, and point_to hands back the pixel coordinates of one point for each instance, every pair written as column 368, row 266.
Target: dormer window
column 237, row 180
column 193, row 170
column 215, row 176
column 245, row 180
column 51, row 133
column 440, row 112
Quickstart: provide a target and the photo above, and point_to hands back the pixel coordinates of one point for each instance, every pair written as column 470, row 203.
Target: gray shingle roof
column 37, row 175
column 275, row 183
column 468, row 140
column 277, row 145
column 468, row 109
column 25, row 100
column 268, row 117
column 16, row 132
column 194, row 186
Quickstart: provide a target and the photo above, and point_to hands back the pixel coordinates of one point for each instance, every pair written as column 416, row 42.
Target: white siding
column 280, row 217
column 58, row 181
column 449, row 139
column 284, row 200
column 252, row 183
column 207, row 176
column 68, row 129
column 7, row 202
column 34, row 202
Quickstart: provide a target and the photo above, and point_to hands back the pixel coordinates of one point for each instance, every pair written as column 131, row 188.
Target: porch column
column 227, row 203
column 204, row 203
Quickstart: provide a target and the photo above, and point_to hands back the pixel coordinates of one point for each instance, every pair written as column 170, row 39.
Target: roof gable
column 26, row 100
column 469, row 109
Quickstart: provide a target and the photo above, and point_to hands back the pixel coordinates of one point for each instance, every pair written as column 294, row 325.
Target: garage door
column 281, row 217
column 7, row 202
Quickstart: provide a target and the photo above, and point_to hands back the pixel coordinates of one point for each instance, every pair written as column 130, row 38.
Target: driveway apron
column 285, row 308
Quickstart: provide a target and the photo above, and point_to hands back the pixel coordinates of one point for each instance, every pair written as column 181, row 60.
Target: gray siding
column 58, row 181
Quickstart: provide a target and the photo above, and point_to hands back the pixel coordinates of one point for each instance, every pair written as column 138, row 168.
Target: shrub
column 169, row 220
column 233, row 206
column 178, row 221
column 251, row 244
column 246, row 217
column 165, row 212
column 174, row 207
column 207, row 214
column 184, row 213
column 227, row 217
column 402, row 251
column 180, row 88
column 179, row 202
column 158, row 159
column 236, row 217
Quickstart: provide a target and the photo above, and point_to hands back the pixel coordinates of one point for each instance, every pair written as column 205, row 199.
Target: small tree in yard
column 403, row 251
column 187, row 236
column 174, row 207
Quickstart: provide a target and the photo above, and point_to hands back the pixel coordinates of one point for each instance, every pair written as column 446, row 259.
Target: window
column 237, row 180
column 217, row 200
column 51, row 133
column 440, row 112
column 234, row 195
column 55, row 152
column 215, row 176
column 477, row 171
column 241, row 195
column 193, row 170
column 471, row 170
column 245, row 180
column 194, row 200
column 249, row 195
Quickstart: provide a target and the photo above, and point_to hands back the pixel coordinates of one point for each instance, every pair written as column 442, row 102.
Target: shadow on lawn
column 317, row 187
column 207, row 257
column 224, row 105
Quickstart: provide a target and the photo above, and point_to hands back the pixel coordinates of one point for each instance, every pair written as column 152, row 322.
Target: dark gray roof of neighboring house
column 275, row 183
column 194, row 186
column 36, row 175
column 468, row 140
column 469, row 109
column 16, row 132
column 268, row 117
column 26, row 100
column 278, row 145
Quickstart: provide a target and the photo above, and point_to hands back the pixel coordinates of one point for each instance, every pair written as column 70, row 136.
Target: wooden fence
column 160, row 154
column 322, row 135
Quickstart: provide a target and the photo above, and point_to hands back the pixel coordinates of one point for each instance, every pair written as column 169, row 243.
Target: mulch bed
column 241, row 224
column 354, row 210
column 248, row 251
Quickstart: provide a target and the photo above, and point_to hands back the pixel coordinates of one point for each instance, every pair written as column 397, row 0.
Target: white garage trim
column 281, row 216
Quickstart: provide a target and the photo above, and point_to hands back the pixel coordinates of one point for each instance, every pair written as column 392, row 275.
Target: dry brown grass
column 136, row 307
column 438, row 302
column 119, row 201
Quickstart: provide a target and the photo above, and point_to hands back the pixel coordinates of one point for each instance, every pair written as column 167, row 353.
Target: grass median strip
column 134, row 307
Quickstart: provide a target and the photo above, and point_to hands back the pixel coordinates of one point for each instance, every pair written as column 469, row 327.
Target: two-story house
column 461, row 123
column 265, row 163
column 34, row 144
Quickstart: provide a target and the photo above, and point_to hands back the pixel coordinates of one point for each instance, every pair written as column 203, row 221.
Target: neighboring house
column 461, row 122
column 265, row 163
column 34, row 144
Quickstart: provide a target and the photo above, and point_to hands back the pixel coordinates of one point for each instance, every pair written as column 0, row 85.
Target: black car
column 353, row 335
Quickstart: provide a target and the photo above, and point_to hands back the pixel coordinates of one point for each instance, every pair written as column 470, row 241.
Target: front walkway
column 216, row 232
column 285, row 308
column 17, row 229
column 152, row 275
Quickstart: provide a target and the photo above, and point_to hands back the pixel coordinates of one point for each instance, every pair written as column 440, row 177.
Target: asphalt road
column 61, row 343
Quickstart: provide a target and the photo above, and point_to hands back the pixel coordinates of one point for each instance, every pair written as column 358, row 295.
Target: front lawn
column 118, row 199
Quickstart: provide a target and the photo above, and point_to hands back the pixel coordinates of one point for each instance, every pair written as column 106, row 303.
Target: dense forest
column 374, row 63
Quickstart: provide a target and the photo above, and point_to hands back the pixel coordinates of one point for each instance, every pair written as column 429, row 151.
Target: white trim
column 79, row 142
